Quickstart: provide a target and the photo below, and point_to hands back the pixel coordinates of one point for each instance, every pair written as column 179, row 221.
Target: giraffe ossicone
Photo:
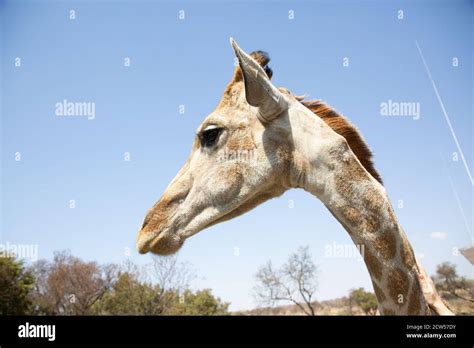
column 294, row 144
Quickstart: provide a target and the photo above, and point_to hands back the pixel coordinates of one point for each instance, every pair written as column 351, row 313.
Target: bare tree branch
column 295, row 282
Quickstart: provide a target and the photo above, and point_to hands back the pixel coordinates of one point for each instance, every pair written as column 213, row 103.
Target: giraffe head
column 245, row 153
column 240, row 158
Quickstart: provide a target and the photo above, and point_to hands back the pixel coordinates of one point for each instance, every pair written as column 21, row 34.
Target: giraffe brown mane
column 343, row 127
column 333, row 119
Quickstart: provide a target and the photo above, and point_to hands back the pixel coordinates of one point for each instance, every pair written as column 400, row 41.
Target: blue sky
column 189, row 62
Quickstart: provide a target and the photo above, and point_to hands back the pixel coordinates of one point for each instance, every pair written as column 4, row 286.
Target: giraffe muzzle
column 163, row 243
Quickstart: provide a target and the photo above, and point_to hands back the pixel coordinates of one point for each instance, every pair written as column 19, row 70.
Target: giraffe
column 261, row 141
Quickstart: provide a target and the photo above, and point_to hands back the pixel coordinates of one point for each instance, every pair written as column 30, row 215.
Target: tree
column 295, row 281
column 39, row 296
column 365, row 300
column 171, row 276
column 153, row 289
column 202, row 302
column 69, row 285
column 448, row 280
column 15, row 284
column 128, row 296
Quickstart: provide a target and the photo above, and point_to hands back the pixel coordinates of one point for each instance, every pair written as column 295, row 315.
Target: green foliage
column 15, row 284
column 202, row 302
column 447, row 278
column 129, row 296
column 365, row 300
column 68, row 285
column 448, row 281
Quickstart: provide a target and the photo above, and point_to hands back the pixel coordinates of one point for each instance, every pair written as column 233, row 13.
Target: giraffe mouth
column 164, row 230
column 159, row 243
column 168, row 240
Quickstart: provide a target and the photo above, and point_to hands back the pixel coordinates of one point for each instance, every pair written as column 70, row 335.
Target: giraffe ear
column 259, row 90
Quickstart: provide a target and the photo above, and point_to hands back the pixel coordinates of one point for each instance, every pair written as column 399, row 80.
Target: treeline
column 296, row 282
column 68, row 285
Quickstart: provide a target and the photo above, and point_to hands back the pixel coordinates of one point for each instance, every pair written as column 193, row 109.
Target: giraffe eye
column 209, row 136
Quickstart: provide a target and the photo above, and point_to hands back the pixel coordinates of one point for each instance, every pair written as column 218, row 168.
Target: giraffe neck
column 360, row 204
